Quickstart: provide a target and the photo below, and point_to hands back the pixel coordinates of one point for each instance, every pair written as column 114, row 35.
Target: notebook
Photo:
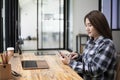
column 34, row 64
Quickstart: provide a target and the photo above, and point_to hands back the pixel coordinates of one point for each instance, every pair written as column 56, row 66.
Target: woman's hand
column 65, row 59
column 74, row 55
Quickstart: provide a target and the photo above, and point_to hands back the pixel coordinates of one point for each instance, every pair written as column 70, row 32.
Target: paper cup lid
column 10, row 48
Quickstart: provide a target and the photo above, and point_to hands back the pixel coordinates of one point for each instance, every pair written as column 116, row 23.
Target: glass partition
column 28, row 23
column 42, row 24
column 50, row 24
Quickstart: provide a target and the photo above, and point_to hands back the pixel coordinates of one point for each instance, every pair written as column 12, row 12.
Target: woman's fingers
column 66, row 61
column 63, row 55
column 65, row 58
column 73, row 55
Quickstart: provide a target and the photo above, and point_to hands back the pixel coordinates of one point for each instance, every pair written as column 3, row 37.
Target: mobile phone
column 60, row 54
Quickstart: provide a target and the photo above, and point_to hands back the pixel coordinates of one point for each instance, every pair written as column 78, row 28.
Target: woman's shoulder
column 108, row 41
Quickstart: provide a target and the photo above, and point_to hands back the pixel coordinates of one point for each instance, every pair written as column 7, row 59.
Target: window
column 50, row 24
column 111, row 9
column 44, row 24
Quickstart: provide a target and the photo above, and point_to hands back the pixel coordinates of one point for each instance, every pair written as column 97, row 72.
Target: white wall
column 80, row 9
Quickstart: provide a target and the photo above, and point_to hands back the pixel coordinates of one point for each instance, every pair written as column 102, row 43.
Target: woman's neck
column 96, row 37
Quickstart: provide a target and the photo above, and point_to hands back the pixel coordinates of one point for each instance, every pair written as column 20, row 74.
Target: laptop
column 34, row 64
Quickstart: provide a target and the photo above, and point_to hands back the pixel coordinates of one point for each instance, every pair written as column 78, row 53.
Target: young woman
column 99, row 56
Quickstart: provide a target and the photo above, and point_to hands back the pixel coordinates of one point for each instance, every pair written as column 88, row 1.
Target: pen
column 6, row 57
column 2, row 59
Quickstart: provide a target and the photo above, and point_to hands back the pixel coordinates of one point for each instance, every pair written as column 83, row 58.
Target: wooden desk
column 57, row 70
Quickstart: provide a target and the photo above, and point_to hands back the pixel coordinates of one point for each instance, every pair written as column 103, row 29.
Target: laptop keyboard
column 28, row 64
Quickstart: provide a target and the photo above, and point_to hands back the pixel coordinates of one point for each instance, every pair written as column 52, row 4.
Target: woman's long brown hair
column 100, row 23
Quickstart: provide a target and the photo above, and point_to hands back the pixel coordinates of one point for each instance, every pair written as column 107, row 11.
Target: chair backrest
column 118, row 71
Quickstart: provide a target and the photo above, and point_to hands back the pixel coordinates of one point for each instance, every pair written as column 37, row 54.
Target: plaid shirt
column 97, row 61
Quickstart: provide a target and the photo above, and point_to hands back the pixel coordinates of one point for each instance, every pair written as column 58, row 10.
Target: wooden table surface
column 57, row 70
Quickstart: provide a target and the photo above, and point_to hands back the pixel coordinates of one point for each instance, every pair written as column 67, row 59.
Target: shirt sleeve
column 99, row 63
column 76, row 65
column 101, row 60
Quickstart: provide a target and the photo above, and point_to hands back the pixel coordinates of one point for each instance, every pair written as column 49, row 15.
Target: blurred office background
column 51, row 24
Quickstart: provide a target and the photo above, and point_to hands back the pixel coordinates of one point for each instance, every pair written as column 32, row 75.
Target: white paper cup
column 10, row 51
column 10, row 48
